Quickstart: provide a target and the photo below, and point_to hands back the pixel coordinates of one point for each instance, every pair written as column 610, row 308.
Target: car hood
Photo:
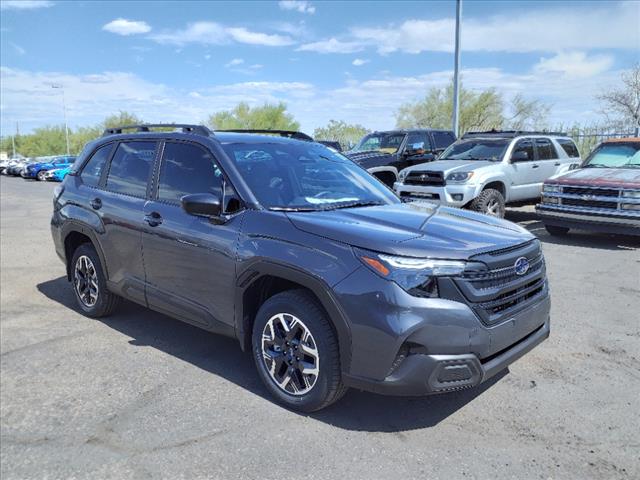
column 600, row 177
column 417, row 229
column 370, row 159
column 448, row 166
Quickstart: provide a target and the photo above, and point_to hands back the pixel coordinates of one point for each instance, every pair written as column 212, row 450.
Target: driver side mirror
column 202, row 205
column 415, row 149
column 520, row 156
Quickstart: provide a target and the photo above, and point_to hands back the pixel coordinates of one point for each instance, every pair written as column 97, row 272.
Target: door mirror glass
column 202, row 204
column 520, row 156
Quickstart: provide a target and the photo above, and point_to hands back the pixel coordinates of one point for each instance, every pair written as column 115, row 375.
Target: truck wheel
column 89, row 283
column 296, row 352
column 490, row 202
column 556, row 231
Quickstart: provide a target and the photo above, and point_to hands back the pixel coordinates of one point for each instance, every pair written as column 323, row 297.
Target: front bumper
column 28, row 173
column 453, row 195
column 601, row 220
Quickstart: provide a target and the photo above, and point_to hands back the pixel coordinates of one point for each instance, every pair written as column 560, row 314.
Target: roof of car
column 623, row 140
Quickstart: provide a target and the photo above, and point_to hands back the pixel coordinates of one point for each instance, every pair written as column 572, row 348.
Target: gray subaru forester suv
column 311, row 263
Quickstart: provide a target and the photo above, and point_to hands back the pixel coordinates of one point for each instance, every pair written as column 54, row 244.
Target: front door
column 524, row 172
column 189, row 261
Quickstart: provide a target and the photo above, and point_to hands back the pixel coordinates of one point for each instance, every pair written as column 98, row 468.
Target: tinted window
column 569, row 147
column 546, row 150
column 130, row 167
column 443, row 139
column 476, row 149
column 187, row 169
column 418, row 137
column 385, row 142
column 524, row 146
column 93, row 169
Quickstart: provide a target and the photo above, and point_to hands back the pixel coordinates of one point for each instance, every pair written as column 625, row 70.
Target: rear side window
column 524, row 146
column 93, row 169
column 546, row 150
column 187, row 169
column 443, row 139
column 569, row 147
column 130, row 167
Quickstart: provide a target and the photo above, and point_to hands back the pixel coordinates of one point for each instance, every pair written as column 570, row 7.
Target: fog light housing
column 551, row 200
column 457, row 197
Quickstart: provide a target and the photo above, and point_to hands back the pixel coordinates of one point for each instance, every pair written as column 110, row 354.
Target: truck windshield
column 615, row 155
column 380, row 141
column 303, row 176
column 476, row 149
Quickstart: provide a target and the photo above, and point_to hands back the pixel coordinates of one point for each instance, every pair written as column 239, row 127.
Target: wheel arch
column 264, row 279
column 74, row 235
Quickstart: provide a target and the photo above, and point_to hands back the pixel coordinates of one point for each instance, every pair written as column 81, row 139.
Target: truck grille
column 600, row 192
column 578, row 202
column 499, row 292
column 425, row 178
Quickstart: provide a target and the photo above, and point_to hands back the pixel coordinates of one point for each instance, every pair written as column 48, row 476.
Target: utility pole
column 456, row 72
column 64, row 111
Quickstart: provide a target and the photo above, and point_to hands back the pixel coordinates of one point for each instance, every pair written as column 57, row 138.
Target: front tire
column 40, row 176
column 556, row 231
column 490, row 202
column 89, row 283
column 296, row 352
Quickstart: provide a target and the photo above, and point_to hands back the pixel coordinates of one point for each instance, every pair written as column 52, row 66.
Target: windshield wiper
column 352, row 205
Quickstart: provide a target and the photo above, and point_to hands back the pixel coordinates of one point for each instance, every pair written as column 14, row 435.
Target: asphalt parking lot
column 140, row 395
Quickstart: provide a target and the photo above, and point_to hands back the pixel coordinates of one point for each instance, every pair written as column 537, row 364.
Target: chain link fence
column 587, row 138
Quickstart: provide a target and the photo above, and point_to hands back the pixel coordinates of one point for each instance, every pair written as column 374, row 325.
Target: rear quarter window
column 92, row 170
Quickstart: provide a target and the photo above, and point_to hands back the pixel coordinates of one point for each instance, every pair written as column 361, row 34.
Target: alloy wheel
column 290, row 354
column 86, row 281
column 493, row 208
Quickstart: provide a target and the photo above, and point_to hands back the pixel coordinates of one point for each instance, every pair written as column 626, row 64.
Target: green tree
column 478, row 111
column 265, row 117
column 339, row 131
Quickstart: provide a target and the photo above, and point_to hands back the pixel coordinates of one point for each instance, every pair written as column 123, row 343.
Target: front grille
column 499, row 292
column 600, row 192
column 425, row 178
column 578, row 202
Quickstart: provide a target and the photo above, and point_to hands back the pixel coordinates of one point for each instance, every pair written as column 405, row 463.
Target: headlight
column 551, row 188
column 459, row 176
column 402, row 175
column 631, row 194
column 418, row 276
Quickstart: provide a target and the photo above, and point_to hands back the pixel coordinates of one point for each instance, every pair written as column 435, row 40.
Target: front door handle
column 96, row 204
column 535, row 166
column 153, row 219
column 557, row 164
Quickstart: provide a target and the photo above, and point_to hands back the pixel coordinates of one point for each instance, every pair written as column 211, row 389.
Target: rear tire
column 89, row 283
column 290, row 330
column 556, row 231
column 490, row 202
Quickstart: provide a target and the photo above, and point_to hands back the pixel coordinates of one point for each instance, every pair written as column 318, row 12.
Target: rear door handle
column 153, row 219
column 535, row 166
column 557, row 164
column 96, row 204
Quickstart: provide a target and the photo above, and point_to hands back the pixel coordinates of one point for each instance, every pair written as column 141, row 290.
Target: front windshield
column 476, row 149
column 384, row 142
column 305, row 176
column 621, row 155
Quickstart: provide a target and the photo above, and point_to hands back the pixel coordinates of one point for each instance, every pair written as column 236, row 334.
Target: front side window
column 476, row 149
column 384, row 142
column 187, row 169
column 525, row 146
column 546, row 151
column 418, row 137
column 130, row 168
column 615, row 155
column 305, row 176
column 93, row 168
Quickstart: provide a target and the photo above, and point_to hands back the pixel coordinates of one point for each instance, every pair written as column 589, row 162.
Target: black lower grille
column 576, row 202
column 513, row 298
column 600, row 192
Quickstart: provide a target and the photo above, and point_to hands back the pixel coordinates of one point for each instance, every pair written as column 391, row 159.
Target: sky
column 351, row 61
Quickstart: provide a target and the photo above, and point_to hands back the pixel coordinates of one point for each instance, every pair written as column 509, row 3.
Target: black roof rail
column 282, row 133
column 185, row 128
column 511, row 133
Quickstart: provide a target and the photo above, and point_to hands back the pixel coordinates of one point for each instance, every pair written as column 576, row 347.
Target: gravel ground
column 140, row 395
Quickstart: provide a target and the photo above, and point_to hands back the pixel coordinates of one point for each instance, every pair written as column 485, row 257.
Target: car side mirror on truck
column 202, row 205
column 520, row 156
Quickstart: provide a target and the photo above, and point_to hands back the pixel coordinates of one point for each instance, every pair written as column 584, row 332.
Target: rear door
column 548, row 159
column 189, row 261
column 119, row 201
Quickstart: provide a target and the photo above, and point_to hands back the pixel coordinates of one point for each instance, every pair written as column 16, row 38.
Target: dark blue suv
column 310, row 262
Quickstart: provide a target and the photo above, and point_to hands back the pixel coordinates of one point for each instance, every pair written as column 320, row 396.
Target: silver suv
column 484, row 171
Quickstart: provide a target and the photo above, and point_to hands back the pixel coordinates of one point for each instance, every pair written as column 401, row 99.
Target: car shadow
column 222, row 356
column 575, row 238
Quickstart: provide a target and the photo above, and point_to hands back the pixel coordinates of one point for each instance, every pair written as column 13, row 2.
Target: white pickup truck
column 485, row 171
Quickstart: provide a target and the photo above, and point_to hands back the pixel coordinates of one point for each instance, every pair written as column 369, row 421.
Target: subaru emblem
column 521, row 266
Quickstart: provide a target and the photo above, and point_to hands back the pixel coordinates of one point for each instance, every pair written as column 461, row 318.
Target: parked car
column 39, row 169
column 602, row 195
column 314, row 266
column 3, row 164
column 15, row 167
column 485, row 171
column 384, row 154
column 57, row 174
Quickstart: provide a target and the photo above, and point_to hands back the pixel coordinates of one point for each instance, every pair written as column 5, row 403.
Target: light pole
column 64, row 111
column 456, row 71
